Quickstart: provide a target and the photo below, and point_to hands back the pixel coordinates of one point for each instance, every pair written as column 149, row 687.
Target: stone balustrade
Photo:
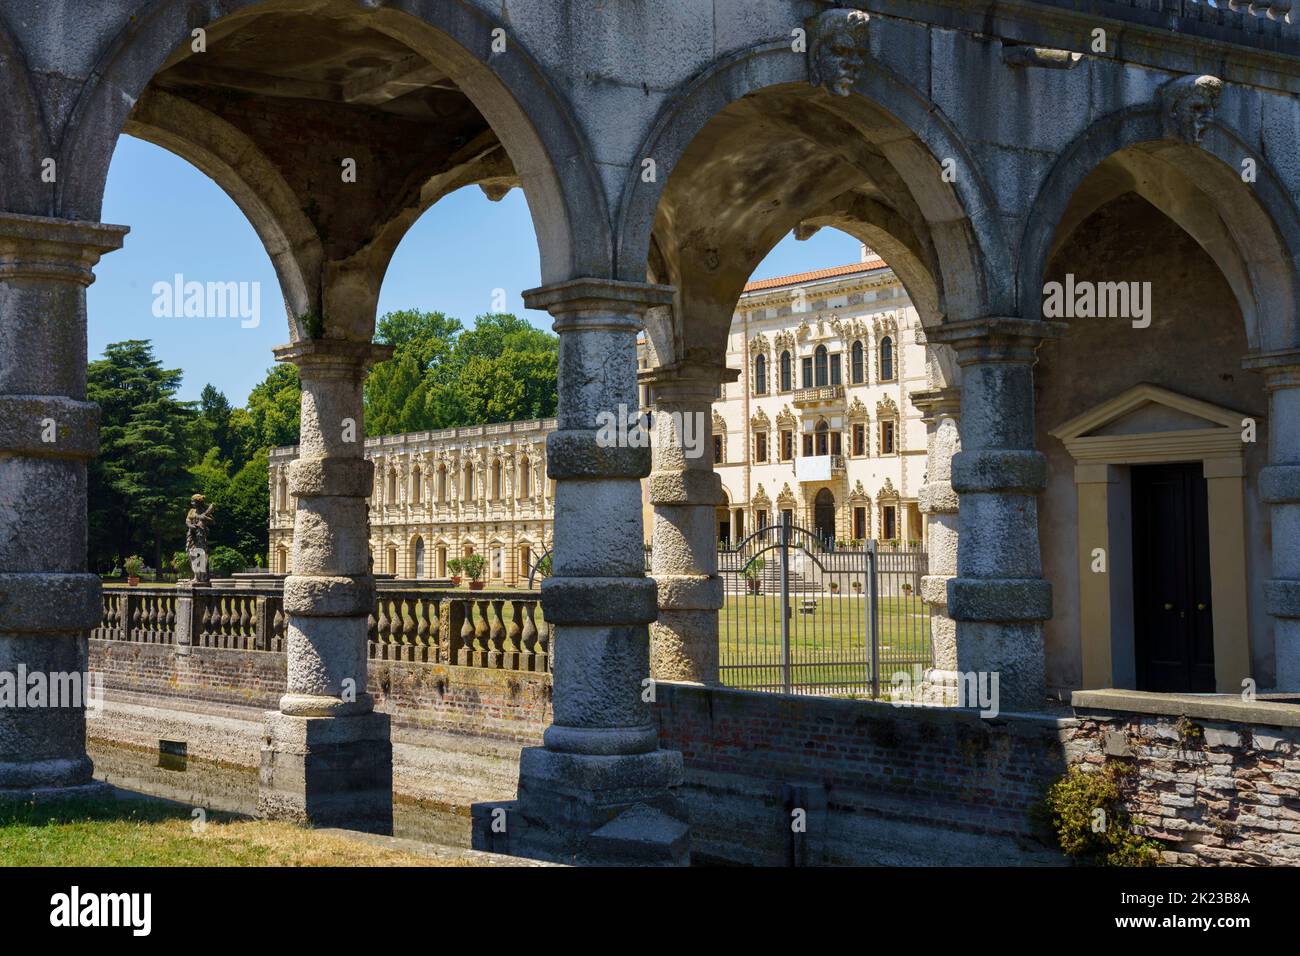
column 500, row 630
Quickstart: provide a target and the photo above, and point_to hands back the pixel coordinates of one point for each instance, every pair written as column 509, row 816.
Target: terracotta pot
column 132, row 581
column 476, row 585
column 455, row 580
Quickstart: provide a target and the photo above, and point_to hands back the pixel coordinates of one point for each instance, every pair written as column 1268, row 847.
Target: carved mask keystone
column 837, row 54
column 1187, row 107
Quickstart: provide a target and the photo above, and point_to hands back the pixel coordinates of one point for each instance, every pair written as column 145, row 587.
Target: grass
column 828, row 647
column 153, row 833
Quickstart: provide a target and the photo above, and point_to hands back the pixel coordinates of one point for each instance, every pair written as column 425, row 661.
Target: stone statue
column 196, row 538
column 1187, row 107
column 837, row 51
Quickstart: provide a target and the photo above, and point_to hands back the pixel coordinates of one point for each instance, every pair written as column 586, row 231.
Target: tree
column 502, row 370
column 271, row 415
column 397, row 390
column 213, row 423
column 139, row 484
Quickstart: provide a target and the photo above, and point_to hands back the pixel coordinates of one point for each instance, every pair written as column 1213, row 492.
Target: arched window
column 468, row 494
column 442, row 484
column 820, row 367
column 886, row 359
column 419, row 557
column 282, row 561
column 496, row 481
column 856, row 364
column 786, row 372
column 417, row 480
column 822, row 435
column 284, row 493
column 525, row 478
column 392, row 486
column 760, row 374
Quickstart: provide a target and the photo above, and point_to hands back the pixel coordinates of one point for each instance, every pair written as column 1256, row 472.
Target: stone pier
column 1279, row 486
column 600, row 790
column 327, row 756
column 48, row 433
column 685, row 492
column 999, row 598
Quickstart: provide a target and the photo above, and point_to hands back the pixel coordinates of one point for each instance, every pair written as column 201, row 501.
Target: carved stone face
column 1187, row 106
column 838, row 54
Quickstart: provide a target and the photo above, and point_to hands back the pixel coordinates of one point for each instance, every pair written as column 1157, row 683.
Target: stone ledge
column 22, row 426
column 1282, row 710
column 578, row 454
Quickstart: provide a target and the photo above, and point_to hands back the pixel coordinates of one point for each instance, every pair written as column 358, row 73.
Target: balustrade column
column 685, row 492
column 328, row 759
column 999, row 598
column 940, row 411
column 48, row 432
column 1279, row 485
column 600, row 787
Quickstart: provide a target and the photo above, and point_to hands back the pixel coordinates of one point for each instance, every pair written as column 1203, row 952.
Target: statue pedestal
column 189, row 613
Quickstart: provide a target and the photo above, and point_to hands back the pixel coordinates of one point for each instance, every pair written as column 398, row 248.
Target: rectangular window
column 787, row 517
column 807, row 445
column 859, row 440
column 836, row 447
column 760, row 446
column 886, row 438
column 891, row 523
column 787, row 445
column 860, row 523
column 717, row 449
column 835, row 369
column 808, row 373
column 760, row 517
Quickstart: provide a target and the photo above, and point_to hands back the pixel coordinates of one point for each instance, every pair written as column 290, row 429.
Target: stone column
column 600, row 790
column 999, row 598
column 940, row 410
column 327, row 759
column 48, row 432
column 685, row 491
column 1279, row 485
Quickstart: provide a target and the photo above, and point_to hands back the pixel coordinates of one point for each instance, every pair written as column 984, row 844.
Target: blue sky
column 181, row 222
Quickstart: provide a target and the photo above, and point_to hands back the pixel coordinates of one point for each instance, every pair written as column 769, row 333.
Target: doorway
column 824, row 516
column 1172, row 614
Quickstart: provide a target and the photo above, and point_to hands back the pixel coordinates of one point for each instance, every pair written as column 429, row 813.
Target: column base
column 618, row 810
column 328, row 771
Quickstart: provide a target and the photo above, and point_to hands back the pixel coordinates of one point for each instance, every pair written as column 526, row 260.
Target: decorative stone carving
column 887, row 491
column 759, row 420
column 1187, row 107
column 786, row 418
column 857, row 411
column 837, row 51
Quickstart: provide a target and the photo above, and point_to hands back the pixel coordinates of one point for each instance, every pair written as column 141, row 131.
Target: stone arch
column 23, row 136
column 510, row 90
column 966, row 242
column 1252, row 232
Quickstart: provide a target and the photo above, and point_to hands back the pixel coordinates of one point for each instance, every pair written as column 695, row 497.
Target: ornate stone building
column 444, row 494
column 818, row 427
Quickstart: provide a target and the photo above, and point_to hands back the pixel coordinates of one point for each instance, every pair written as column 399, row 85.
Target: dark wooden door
column 1174, row 636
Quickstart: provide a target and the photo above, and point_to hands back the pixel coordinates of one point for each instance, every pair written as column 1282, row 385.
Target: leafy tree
column 271, row 415
column 213, row 428
column 139, row 483
column 397, row 390
column 223, row 562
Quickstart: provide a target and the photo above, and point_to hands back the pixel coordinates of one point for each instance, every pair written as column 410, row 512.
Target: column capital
column 995, row 339
column 37, row 247
column 934, row 402
column 689, row 381
column 588, row 302
column 340, row 357
column 1280, row 367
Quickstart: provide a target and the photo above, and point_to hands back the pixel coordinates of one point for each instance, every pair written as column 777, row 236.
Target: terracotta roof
column 854, row 267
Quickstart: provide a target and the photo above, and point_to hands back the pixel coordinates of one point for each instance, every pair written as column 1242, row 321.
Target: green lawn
column 827, row 647
column 152, row 833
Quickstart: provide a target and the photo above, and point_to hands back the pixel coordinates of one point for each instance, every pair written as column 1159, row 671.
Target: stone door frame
column 1104, row 520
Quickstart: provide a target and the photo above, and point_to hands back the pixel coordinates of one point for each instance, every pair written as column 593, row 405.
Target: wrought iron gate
column 803, row 616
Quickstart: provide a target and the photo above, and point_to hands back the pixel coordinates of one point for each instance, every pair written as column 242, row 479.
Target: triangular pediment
column 1148, row 410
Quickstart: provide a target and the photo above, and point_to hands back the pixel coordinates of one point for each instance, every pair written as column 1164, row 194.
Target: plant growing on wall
column 1085, row 810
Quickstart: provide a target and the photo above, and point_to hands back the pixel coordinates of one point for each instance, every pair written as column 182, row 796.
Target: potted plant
column 455, row 566
column 857, row 586
column 835, row 587
column 754, row 574
column 472, row 565
column 134, row 565
column 907, row 587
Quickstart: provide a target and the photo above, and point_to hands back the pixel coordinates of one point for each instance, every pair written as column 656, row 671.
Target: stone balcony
column 818, row 395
